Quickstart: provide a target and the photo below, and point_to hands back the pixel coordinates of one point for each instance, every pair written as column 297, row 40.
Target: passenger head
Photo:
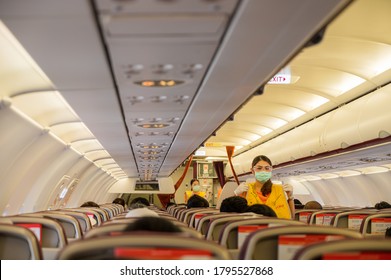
column 195, row 185
column 298, row 204
column 169, row 204
column 157, row 224
column 119, row 201
column 313, row 205
column 262, row 209
column 141, row 212
column 235, row 204
column 382, row 205
column 388, row 233
column 197, row 201
column 90, row 204
column 141, row 200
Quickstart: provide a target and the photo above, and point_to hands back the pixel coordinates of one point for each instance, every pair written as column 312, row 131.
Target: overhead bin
column 376, row 123
column 341, row 130
column 359, row 121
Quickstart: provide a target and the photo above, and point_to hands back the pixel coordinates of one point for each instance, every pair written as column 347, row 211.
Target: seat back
column 117, row 227
column 144, row 245
column 111, row 212
column 375, row 225
column 216, row 225
column 282, row 242
column 347, row 249
column 323, row 217
column 18, row 243
column 203, row 222
column 183, row 213
column 97, row 216
column 70, row 224
column 168, row 217
column 351, row 219
column 304, row 215
column 174, row 209
column 178, row 212
column 192, row 221
column 187, row 215
column 234, row 232
column 83, row 219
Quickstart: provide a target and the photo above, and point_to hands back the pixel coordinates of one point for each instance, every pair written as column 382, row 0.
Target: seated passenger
column 119, row 201
column 153, row 224
column 382, row 205
column 197, row 201
column 141, row 212
column 236, row 204
column 313, row 205
column 298, row 204
column 141, row 200
column 169, row 204
column 388, row 233
column 262, row 209
column 90, row 204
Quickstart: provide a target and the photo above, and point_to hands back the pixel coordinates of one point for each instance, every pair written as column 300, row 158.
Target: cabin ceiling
column 220, row 53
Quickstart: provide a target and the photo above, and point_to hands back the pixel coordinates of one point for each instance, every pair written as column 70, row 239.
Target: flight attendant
column 195, row 189
column 263, row 191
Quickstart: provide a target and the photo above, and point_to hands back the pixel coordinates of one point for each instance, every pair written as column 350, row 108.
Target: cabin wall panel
column 27, row 170
column 32, row 163
column 74, row 169
column 93, row 181
column 104, row 195
column 355, row 191
column 15, row 140
column 78, row 196
column 101, row 187
column 54, row 169
column 316, row 191
column 378, row 187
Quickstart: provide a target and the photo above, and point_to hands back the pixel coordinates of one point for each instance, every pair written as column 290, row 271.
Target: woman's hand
column 243, row 187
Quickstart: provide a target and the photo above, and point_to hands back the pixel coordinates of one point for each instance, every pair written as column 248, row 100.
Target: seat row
column 52, row 230
column 243, row 236
column 206, row 234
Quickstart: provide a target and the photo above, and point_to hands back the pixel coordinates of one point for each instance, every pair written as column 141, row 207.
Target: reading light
column 153, row 125
column 159, row 83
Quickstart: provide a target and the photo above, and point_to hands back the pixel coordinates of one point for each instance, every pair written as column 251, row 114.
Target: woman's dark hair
column 313, row 205
column 90, row 204
column 119, row 201
column 235, row 204
column 388, row 233
column 262, row 209
column 382, row 205
column 153, row 224
column 193, row 180
column 298, row 204
column 197, row 201
column 267, row 186
column 140, row 200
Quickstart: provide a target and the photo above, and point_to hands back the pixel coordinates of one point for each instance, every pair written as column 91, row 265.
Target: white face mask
column 196, row 188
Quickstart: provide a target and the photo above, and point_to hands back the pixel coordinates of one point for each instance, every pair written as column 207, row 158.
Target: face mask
column 263, row 176
column 196, row 188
